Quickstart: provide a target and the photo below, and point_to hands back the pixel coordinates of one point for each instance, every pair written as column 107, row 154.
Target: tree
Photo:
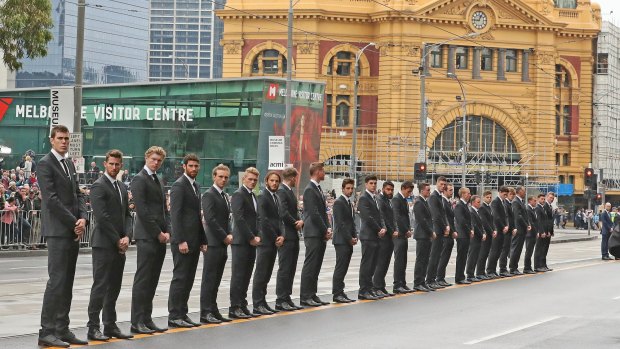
column 24, row 30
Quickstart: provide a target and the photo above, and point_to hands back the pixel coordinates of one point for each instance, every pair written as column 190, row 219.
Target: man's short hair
column 348, row 181
column 473, row 198
column 220, row 167
column 519, row 188
column 315, row 166
column 388, row 183
column 512, row 190
column 462, row 191
column 422, row 186
column 441, row 179
column 289, row 173
column 370, row 178
column 551, row 193
column 541, row 195
column 406, row 185
column 271, row 173
column 503, row 189
column 58, row 129
column 155, row 150
column 190, row 157
column 114, row 153
column 530, row 198
column 251, row 170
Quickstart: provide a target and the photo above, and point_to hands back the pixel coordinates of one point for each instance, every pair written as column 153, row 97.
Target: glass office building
column 185, row 40
column 115, row 45
column 223, row 121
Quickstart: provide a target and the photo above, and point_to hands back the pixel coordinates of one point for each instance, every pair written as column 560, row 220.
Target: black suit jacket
column 500, row 218
column 385, row 206
column 549, row 218
column 423, row 218
column 400, row 209
column 270, row 221
column 533, row 219
column 152, row 217
column 447, row 207
column 486, row 215
column 372, row 221
column 520, row 215
column 476, row 223
column 316, row 222
column 435, row 202
column 62, row 202
column 510, row 215
column 185, row 215
column 344, row 223
column 462, row 220
column 288, row 212
column 541, row 219
column 112, row 218
column 216, row 213
column 246, row 218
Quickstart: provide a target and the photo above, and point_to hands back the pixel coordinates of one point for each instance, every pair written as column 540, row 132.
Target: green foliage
column 24, row 30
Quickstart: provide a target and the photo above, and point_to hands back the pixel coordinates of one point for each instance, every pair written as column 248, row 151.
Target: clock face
column 479, row 20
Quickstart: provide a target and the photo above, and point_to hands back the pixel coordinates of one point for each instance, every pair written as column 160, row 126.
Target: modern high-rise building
column 185, row 40
column 115, row 45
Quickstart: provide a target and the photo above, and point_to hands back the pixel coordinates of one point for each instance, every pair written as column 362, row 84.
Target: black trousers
column 530, row 243
column 287, row 266
column 243, row 258
column 472, row 255
column 214, row 262
column 485, row 251
column 422, row 256
column 446, row 252
column 496, row 251
column 265, row 260
column 151, row 255
column 61, row 258
column 539, row 252
column 505, row 254
column 435, row 256
column 343, row 259
column 315, row 251
column 546, row 251
column 462, row 248
column 183, row 276
column 401, row 246
column 108, row 267
column 384, row 256
column 516, row 247
column 370, row 249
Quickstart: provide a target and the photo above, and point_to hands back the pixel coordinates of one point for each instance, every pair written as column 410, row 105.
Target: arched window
column 342, row 63
column 484, row 136
column 269, row 62
column 342, row 111
column 562, row 77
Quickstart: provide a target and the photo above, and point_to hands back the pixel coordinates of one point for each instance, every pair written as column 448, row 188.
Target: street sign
column 75, row 145
column 276, row 153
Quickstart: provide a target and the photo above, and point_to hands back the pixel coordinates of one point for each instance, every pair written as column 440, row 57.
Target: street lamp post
column 353, row 159
column 184, row 65
column 464, row 138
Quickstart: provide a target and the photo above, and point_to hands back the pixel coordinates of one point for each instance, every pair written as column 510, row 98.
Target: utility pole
column 79, row 68
column 289, row 85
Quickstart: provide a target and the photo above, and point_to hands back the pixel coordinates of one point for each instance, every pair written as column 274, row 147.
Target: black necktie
column 352, row 210
column 65, row 167
column 196, row 189
column 118, row 190
column 155, row 178
column 226, row 199
column 275, row 199
column 253, row 200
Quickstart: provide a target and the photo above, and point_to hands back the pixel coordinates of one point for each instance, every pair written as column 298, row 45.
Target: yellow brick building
column 525, row 67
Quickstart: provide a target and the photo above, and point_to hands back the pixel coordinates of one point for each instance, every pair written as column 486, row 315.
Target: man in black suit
column 63, row 212
column 476, row 241
column 512, row 232
column 345, row 237
column 289, row 252
column 423, row 234
column 441, row 227
column 400, row 207
column 152, row 233
column 539, row 249
column 448, row 243
column 465, row 232
column 316, row 233
column 217, row 212
column 373, row 228
column 500, row 223
column 532, row 235
column 386, row 243
column 546, row 241
column 486, row 214
column 271, row 233
column 245, row 240
column 188, row 240
column 523, row 226
column 110, row 241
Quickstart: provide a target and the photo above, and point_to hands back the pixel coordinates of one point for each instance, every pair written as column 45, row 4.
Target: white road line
column 616, row 298
column 516, row 329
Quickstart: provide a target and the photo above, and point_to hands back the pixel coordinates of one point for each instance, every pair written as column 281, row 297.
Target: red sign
column 4, row 106
column 272, row 92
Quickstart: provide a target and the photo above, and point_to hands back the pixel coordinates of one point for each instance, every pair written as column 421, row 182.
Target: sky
column 607, row 6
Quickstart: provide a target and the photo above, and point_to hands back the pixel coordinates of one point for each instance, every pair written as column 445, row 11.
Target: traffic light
column 598, row 199
column 487, row 177
column 588, row 177
column 478, row 177
column 419, row 171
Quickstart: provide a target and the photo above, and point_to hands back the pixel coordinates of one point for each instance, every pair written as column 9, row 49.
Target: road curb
column 563, row 241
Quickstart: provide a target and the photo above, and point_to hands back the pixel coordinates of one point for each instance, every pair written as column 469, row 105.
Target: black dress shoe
column 463, row 282
column 349, row 299
column 271, row 309
column 94, row 334
column 473, row 279
column 318, row 300
column 606, row 258
column 434, row 286
column 379, row 293
column 210, row 318
column 310, row 303
column 367, row 296
column 141, row 328
column 540, row 270
column 340, row 299
column 52, row 341
column 516, row 272
column 238, row 313
column 284, row 306
column 290, row 302
column 444, row 283
column 528, row 271
column 408, row 289
column 401, row 290
column 70, row 338
column 482, row 277
column 387, row 293
column 247, row 311
column 190, row 321
column 154, row 327
column 220, row 317
column 421, row 288
column 261, row 310
column 115, row 332
column 179, row 323
column 549, row 269
column 505, row 274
